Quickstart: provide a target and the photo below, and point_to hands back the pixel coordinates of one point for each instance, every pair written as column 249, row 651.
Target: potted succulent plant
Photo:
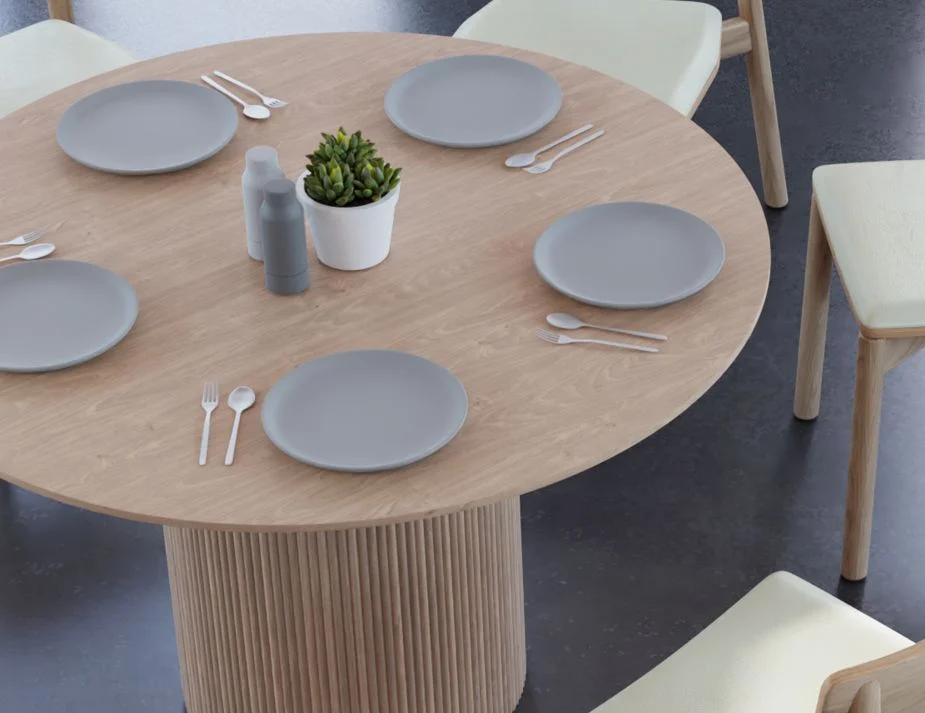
column 349, row 193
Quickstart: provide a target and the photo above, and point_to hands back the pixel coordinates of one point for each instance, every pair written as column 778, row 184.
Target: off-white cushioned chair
column 869, row 217
column 48, row 56
column 668, row 48
column 785, row 647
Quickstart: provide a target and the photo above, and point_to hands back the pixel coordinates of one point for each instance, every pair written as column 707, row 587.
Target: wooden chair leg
column 60, row 10
column 764, row 106
column 815, row 318
column 873, row 363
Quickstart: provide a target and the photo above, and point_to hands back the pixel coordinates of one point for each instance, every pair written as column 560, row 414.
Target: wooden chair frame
column 892, row 684
column 747, row 35
column 879, row 351
column 60, row 10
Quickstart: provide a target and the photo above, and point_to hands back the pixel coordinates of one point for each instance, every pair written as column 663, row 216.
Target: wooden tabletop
column 120, row 434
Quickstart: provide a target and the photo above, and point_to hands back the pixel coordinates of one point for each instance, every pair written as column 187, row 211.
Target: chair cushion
column 769, row 653
column 45, row 57
column 874, row 216
column 667, row 48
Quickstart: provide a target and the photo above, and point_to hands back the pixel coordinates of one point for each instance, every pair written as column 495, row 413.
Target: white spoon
column 33, row 252
column 251, row 111
column 544, row 166
column 241, row 399
column 525, row 159
column 567, row 321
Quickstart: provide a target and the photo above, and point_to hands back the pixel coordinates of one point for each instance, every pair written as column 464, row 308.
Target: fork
column 554, row 338
column 546, row 165
column 25, row 238
column 209, row 404
column 271, row 102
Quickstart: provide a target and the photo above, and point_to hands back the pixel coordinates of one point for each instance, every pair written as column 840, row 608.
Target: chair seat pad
column 668, row 48
column 48, row 56
column 769, row 653
column 874, row 217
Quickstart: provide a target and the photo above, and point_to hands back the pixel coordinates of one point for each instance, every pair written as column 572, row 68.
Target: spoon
column 241, row 399
column 251, row 111
column 33, row 252
column 525, row 159
column 567, row 321
column 544, row 166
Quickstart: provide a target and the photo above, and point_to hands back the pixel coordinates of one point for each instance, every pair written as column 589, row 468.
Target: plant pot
column 353, row 238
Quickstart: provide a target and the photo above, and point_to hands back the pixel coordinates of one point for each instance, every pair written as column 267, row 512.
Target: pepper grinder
column 282, row 226
column 261, row 164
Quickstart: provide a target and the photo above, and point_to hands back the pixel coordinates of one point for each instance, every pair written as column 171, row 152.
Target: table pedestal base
column 419, row 617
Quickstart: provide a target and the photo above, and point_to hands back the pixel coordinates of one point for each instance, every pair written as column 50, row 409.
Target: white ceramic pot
column 354, row 238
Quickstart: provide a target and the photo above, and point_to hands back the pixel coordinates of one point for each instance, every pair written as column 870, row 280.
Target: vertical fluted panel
column 419, row 617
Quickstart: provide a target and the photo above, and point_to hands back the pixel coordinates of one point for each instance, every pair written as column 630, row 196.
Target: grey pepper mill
column 282, row 227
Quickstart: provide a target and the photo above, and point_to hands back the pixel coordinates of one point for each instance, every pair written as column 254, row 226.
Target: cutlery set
column 567, row 321
column 526, row 161
column 251, row 111
column 30, row 252
column 554, row 338
column 239, row 400
column 560, row 320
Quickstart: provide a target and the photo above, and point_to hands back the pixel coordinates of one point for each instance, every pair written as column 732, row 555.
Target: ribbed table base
column 419, row 617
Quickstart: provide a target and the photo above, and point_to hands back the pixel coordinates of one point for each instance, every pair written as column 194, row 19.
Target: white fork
column 25, row 238
column 271, row 102
column 209, row 404
column 554, row 338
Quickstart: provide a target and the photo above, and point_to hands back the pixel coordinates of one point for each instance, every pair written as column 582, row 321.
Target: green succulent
column 374, row 179
column 331, row 183
column 349, row 148
column 346, row 170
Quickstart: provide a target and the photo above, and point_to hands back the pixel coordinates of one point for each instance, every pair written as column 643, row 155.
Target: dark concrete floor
column 623, row 563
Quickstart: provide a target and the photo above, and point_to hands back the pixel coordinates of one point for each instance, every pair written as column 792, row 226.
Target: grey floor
column 623, row 563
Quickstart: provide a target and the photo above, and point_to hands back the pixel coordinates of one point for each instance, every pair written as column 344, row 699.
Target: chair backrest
column 899, row 676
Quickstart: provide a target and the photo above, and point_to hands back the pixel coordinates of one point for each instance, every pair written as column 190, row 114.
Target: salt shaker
column 282, row 225
column 261, row 164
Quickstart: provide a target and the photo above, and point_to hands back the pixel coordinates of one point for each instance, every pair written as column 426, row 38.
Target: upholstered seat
column 874, row 217
column 769, row 653
column 667, row 48
column 45, row 57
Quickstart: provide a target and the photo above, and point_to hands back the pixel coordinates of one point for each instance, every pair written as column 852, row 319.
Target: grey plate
column 472, row 101
column 629, row 255
column 364, row 411
column 147, row 127
column 58, row 313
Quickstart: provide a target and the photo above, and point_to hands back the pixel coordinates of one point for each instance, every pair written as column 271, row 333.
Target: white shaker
column 261, row 165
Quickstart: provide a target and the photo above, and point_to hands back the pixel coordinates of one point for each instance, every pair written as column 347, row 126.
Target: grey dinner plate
column 364, row 411
column 58, row 313
column 472, row 101
column 629, row 255
column 152, row 126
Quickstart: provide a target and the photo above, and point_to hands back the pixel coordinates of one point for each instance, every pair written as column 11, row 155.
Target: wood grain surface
column 900, row 684
column 120, row 435
column 814, row 320
column 764, row 105
column 415, row 617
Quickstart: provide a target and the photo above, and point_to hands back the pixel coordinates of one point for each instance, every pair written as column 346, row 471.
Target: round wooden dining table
column 300, row 590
